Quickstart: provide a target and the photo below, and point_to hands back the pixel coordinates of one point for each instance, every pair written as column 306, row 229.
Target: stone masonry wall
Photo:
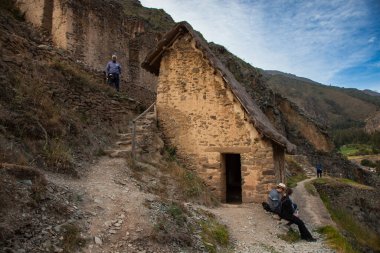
column 92, row 31
column 200, row 116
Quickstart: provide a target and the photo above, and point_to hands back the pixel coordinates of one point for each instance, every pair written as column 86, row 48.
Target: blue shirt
column 274, row 200
column 113, row 68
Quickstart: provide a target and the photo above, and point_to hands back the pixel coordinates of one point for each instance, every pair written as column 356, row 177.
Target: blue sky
column 333, row 42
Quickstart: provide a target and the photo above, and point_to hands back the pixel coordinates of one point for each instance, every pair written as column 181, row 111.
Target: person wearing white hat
column 274, row 198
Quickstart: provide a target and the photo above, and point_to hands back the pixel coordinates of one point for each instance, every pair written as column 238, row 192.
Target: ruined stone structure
column 92, row 30
column 216, row 127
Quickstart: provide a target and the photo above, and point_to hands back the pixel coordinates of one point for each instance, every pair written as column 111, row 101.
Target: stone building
column 217, row 128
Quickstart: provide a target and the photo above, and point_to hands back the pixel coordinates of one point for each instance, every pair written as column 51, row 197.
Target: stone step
column 124, row 134
column 142, row 129
column 118, row 152
column 124, row 142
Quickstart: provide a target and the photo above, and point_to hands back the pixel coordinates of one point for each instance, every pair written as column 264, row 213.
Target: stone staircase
column 305, row 164
column 147, row 140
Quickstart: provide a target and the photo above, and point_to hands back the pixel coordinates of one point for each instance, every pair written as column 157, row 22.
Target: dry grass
column 39, row 181
column 192, row 187
column 336, row 240
column 345, row 221
column 72, row 239
column 58, row 156
column 311, row 189
column 297, row 173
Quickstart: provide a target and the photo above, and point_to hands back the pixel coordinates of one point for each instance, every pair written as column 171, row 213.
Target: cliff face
column 92, row 30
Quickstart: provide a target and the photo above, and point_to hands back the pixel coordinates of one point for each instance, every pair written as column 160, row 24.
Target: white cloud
column 315, row 39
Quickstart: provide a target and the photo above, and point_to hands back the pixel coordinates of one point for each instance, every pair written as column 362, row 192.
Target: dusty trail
column 114, row 205
column 312, row 209
column 254, row 230
column 117, row 215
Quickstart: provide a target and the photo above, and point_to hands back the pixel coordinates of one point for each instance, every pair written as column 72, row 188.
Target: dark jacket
column 287, row 209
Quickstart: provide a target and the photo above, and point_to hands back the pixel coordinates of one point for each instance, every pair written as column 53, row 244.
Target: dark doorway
column 233, row 178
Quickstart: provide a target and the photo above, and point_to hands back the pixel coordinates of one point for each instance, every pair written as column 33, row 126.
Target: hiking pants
column 305, row 234
column 115, row 81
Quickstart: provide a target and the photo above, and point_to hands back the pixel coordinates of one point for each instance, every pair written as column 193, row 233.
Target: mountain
column 372, row 93
column 57, row 114
column 340, row 108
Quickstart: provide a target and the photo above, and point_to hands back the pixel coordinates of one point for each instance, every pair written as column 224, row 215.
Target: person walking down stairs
column 113, row 72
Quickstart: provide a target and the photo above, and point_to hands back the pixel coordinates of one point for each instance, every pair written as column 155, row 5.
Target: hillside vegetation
column 53, row 112
column 344, row 110
column 338, row 107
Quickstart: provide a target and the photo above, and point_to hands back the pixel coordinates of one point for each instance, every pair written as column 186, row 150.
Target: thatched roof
column 255, row 115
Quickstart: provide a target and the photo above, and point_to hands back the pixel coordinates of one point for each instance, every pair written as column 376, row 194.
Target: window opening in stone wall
column 233, row 178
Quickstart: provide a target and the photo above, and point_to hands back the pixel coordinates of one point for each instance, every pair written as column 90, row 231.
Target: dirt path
column 312, row 209
column 254, row 230
column 113, row 202
column 117, row 219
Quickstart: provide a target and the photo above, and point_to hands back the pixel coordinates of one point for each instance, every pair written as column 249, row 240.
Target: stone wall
column 200, row 116
column 92, row 31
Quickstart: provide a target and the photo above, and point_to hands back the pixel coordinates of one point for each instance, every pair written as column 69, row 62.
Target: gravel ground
column 254, row 230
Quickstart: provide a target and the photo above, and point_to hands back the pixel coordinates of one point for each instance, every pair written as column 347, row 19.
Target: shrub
column 368, row 163
column 336, row 240
column 58, row 156
column 71, row 238
column 214, row 234
column 171, row 153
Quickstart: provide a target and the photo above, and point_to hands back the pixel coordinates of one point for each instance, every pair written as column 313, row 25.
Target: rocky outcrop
column 373, row 123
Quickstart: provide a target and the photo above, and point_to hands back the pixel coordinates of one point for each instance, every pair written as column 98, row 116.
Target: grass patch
column 341, row 181
column 354, row 184
column 191, row 185
column 58, row 156
column 170, row 153
column 335, row 240
column 356, row 149
column 177, row 212
column 297, row 172
column 311, row 189
column 293, row 180
column 346, row 221
column 291, row 236
column 71, row 238
column 214, row 235
column 76, row 78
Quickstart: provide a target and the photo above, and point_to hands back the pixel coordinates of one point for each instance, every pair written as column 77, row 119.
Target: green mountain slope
column 340, row 108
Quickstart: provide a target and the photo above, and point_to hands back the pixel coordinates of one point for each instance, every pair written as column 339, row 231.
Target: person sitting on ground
column 273, row 203
column 113, row 72
column 288, row 212
column 289, row 192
